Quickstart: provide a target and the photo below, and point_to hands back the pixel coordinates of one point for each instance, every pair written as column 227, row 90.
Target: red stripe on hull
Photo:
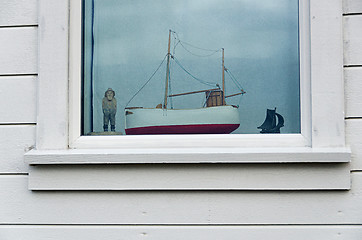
column 184, row 129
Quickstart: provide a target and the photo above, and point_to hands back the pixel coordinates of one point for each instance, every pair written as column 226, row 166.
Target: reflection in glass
column 191, row 79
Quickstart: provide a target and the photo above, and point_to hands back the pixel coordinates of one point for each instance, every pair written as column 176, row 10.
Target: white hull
column 219, row 119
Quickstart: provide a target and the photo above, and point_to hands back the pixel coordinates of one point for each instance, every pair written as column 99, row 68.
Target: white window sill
column 188, row 155
column 180, row 169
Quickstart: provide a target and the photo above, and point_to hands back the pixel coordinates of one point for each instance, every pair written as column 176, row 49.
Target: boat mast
column 168, row 69
column 223, row 78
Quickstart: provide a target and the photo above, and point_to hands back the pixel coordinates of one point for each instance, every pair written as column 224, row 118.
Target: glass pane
column 190, row 66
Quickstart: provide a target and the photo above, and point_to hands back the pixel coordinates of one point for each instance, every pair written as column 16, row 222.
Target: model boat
column 215, row 117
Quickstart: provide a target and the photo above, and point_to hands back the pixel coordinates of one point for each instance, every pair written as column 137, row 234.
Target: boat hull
column 209, row 120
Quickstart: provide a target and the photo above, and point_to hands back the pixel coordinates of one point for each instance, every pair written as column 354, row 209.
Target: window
column 315, row 158
column 296, row 106
column 215, row 51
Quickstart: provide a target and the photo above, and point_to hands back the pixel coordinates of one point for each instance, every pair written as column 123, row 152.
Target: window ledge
column 180, row 169
column 188, row 155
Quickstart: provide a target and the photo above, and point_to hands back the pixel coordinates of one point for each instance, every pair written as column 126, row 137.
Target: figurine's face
column 109, row 95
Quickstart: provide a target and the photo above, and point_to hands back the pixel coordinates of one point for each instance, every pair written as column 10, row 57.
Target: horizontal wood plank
column 353, row 139
column 18, row 12
column 190, row 177
column 352, row 40
column 18, row 99
column 352, row 6
column 18, row 205
column 182, row 232
column 18, row 47
column 15, row 140
column 353, row 90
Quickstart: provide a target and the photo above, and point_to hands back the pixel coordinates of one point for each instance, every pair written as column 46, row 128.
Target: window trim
column 324, row 65
column 58, row 143
column 76, row 141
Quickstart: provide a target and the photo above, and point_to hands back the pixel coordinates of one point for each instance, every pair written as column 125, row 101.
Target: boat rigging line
column 197, row 79
column 147, row 80
column 175, row 43
column 182, row 43
column 234, row 80
column 198, row 55
column 170, row 56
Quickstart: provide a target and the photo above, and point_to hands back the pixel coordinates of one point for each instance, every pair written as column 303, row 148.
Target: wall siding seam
column 19, row 75
column 182, row 225
column 14, row 174
column 19, row 26
column 352, row 66
column 350, row 117
column 18, row 124
column 352, row 14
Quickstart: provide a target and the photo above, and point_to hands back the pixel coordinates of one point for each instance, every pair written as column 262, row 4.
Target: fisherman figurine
column 109, row 106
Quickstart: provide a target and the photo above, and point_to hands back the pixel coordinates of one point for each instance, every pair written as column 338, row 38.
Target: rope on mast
column 182, row 43
column 234, row 80
column 172, row 56
column 197, row 79
column 198, row 55
column 147, row 80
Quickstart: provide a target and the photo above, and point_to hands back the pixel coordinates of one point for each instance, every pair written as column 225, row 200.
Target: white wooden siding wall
column 353, row 80
column 282, row 215
column 18, row 77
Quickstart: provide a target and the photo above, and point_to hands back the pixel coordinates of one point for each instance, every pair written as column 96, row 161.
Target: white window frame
column 322, row 97
column 76, row 141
